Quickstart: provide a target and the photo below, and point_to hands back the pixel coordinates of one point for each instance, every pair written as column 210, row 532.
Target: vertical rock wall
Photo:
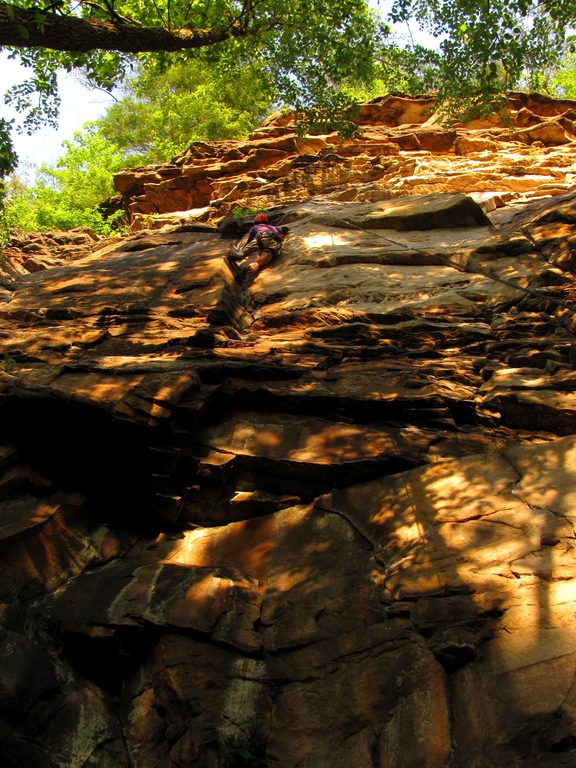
column 325, row 521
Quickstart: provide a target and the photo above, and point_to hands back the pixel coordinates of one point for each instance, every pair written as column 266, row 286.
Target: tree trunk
column 30, row 28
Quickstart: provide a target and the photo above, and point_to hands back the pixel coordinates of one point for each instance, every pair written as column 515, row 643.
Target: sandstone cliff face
column 401, row 149
column 323, row 522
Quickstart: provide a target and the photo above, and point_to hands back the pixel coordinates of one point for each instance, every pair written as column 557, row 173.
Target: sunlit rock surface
column 401, row 148
column 323, row 522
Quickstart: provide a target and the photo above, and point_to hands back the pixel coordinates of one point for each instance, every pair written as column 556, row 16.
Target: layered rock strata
column 324, row 521
column 402, row 148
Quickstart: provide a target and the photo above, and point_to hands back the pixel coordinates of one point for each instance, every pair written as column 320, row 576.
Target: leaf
column 40, row 19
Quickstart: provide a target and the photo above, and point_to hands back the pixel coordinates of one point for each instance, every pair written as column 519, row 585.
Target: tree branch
column 35, row 28
column 108, row 8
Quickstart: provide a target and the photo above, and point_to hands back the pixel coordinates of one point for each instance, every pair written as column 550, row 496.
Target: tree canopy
column 156, row 116
column 305, row 46
column 304, row 50
column 490, row 46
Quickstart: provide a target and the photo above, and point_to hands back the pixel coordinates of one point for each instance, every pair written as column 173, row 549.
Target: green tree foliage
column 157, row 117
column 311, row 55
column 159, row 114
column 68, row 195
column 8, row 162
column 563, row 83
column 8, row 157
column 490, row 46
column 305, row 46
column 411, row 70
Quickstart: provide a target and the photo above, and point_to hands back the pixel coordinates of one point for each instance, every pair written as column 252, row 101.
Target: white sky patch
column 78, row 106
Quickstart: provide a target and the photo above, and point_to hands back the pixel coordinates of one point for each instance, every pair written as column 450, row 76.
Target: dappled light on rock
column 324, row 520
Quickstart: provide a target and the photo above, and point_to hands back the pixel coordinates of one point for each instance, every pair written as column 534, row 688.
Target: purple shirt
column 259, row 228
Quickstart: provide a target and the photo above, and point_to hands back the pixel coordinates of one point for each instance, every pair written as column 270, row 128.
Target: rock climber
column 263, row 244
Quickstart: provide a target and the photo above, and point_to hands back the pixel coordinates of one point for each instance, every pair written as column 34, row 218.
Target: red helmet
column 261, row 219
